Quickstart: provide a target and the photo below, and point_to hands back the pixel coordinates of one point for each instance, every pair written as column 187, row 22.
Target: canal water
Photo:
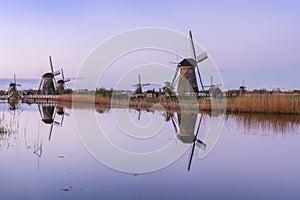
column 52, row 152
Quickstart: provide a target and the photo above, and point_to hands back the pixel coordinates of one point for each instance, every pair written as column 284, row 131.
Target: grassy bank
column 272, row 104
column 276, row 104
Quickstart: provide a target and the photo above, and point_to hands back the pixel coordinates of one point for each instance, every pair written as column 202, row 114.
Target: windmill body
column 60, row 84
column 187, row 125
column 138, row 90
column 47, row 85
column 48, row 114
column 12, row 91
column 188, row 82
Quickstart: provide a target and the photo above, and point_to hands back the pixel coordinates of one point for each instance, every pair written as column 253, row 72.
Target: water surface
column 42, row 156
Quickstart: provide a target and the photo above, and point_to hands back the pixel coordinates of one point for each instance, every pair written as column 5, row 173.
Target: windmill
column 61, row 111
column 48, row 116
column 12, row 91
column 47, row 84
column 185, row 129
column 61, row 83
column 139, row 86
column 187, row 70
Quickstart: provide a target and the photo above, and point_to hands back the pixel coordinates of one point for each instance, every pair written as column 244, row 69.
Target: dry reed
column 275, row 103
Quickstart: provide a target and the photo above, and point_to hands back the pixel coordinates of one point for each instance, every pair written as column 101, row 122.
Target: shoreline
column 251, row 104
column 264, row 104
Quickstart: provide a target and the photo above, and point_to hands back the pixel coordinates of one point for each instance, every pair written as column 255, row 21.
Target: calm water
column 43, row 156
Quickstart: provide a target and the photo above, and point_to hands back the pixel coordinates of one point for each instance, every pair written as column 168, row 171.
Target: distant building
column 82, row 90
column 242, row 90
column 215, row 92
column 151, row 94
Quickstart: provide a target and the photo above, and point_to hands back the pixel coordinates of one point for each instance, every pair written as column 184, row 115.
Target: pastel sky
column 255, row 41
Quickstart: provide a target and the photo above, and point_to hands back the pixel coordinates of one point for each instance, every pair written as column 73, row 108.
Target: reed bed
column 272, row 104
column 275, row 104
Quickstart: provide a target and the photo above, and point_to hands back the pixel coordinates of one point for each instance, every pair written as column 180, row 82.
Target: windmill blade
column 194, row 143
column 201, row 144
column 139, row 116
column 67, row 80
column 56, row 123
column 173, row 122
column 18, row 85
column 56, row 73
column 55, row 85
column 145, row 84
column 175, row 75
column 62, row 119
column 191, row 156
column 62, row 74
column 201, row 57
column 140, row 81
column 50, row 133
column 198, row 126
column 40, row 110
column 40, row 86
column 51, row 65
column 193, row 46
column 67, row 114
column 200, row 79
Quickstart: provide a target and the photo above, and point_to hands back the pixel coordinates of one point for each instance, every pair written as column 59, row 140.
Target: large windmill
column 61, row 83
column 139, row 86
column 47, row 84
column 187, row 70
column 12, row 90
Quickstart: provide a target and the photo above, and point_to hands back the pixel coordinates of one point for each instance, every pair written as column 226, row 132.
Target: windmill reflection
column 48, row 115
column 14, row 105
column 60, row 110
column 187, row 127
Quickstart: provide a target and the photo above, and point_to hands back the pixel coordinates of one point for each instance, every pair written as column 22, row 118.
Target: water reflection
column 189, row 127
column 48, row 112
column 263, row 124
column 28, row 156
column 187, row 122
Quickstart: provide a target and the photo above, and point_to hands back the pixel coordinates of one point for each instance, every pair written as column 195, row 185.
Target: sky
column 255, row 41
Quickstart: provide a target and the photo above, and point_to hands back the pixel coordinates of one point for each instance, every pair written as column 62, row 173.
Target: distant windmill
column 187, row 69
column 47, row 84
column 61, row 83
column 12, row 91
column 61, row 111
column 139, row 86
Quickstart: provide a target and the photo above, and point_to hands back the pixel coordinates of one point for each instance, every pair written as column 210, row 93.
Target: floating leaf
column 65, row 189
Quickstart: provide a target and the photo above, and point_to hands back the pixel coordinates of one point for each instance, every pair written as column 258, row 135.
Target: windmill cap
column 187, row 62
column 47, row 121
column 48, row 75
